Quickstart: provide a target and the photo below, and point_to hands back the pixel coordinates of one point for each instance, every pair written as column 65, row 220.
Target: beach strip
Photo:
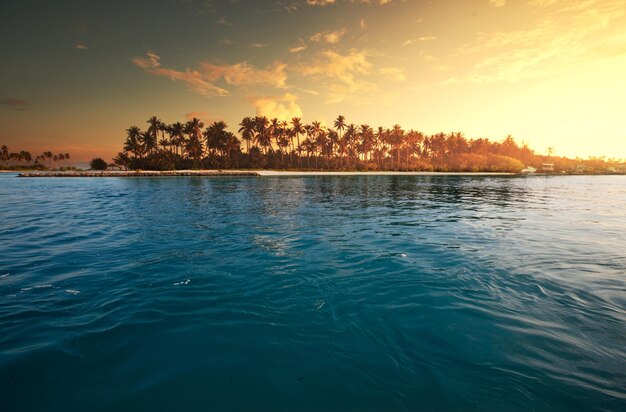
column 266, row 173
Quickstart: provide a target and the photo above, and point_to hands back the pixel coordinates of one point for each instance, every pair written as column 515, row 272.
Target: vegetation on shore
column 273, row 144
column 24, row 160
column 293, row 145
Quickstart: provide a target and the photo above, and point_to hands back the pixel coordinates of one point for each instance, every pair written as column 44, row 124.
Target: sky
column 551, row 73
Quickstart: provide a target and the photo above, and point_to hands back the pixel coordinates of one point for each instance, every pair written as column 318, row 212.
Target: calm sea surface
column 313, row 293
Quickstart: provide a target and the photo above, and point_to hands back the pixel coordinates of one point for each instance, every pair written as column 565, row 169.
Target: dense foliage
column 98, row 164
column 275, row 144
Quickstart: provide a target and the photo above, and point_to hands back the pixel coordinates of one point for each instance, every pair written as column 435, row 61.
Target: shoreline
column 142, row 173
column 251, row 173
column 266, row 173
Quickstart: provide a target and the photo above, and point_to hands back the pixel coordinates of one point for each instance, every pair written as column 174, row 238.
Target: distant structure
column 528, row 170
column 111, row 167
column 547, row 167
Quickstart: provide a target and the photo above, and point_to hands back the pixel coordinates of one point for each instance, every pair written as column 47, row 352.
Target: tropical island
column 24, row 160
column 273, row 144
column 293, row 145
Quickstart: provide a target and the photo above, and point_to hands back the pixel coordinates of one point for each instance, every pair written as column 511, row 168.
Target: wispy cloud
column 244, row 74
column 202, row 79
column 541, row 3
column 226, row 42
column 300, row 47
column 330, row 37
column 15, row 104
column 322, row 3
column 192, row 78
column 297, row 49
column 568, row 34
column 393, row 73
column 419, row 40
column 224, row 22
column 342, row 74
column 498, row 3
column 81, row 47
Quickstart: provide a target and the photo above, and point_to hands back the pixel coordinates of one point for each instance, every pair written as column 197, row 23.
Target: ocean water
column 313, row 293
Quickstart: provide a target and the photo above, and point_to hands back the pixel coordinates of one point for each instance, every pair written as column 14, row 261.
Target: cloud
column 541, row 3
column 244, row 74
column 202, row 79
column 224, row 22
column 331, row 36
column 343, row 67
column 322, row 3
column 257, row 45
column 202, row 115
column 363, row 24
column 498, row 3
column 297, row 49
column 393, row 73
column 151, row 61
column 15, row 104
column 341, row 73
column 281, row 107
column 194, row 79
column 564, row 37
column 419, row 39
column 81, row 47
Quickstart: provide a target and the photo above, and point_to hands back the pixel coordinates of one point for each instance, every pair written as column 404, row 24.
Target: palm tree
column 216, row 137
column 340, row 125
column 177, row 136
column 148, row 141
column 262, row 137
column 47, row 155
column 231, row 145
column 247, row 130
column 396, row 136
column 122, row 159
column 4, row 153
column 298, row 129
column 309, row 147
column 153, row 130
column 349, row 139
column 133, row 142
column 26, row 156
column 275, row 133
column 386, row 148
column 366, row 134
column 314, row 132
column 193, row 145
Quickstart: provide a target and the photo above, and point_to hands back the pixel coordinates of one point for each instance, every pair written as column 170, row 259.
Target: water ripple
column 320, row 293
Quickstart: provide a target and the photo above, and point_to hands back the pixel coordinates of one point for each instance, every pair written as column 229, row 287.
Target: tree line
column 25, row 160
column 277, row 144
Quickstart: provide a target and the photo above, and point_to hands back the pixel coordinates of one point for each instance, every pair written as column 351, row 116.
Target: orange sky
column 548, row 72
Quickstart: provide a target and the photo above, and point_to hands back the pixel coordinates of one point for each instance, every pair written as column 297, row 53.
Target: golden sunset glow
column 548, row 72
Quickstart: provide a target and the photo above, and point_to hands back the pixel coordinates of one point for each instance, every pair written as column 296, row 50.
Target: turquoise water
column 314, row 293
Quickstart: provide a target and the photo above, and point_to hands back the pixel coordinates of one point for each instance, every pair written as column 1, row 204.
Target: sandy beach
column 262, row 173
column 373, row 173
